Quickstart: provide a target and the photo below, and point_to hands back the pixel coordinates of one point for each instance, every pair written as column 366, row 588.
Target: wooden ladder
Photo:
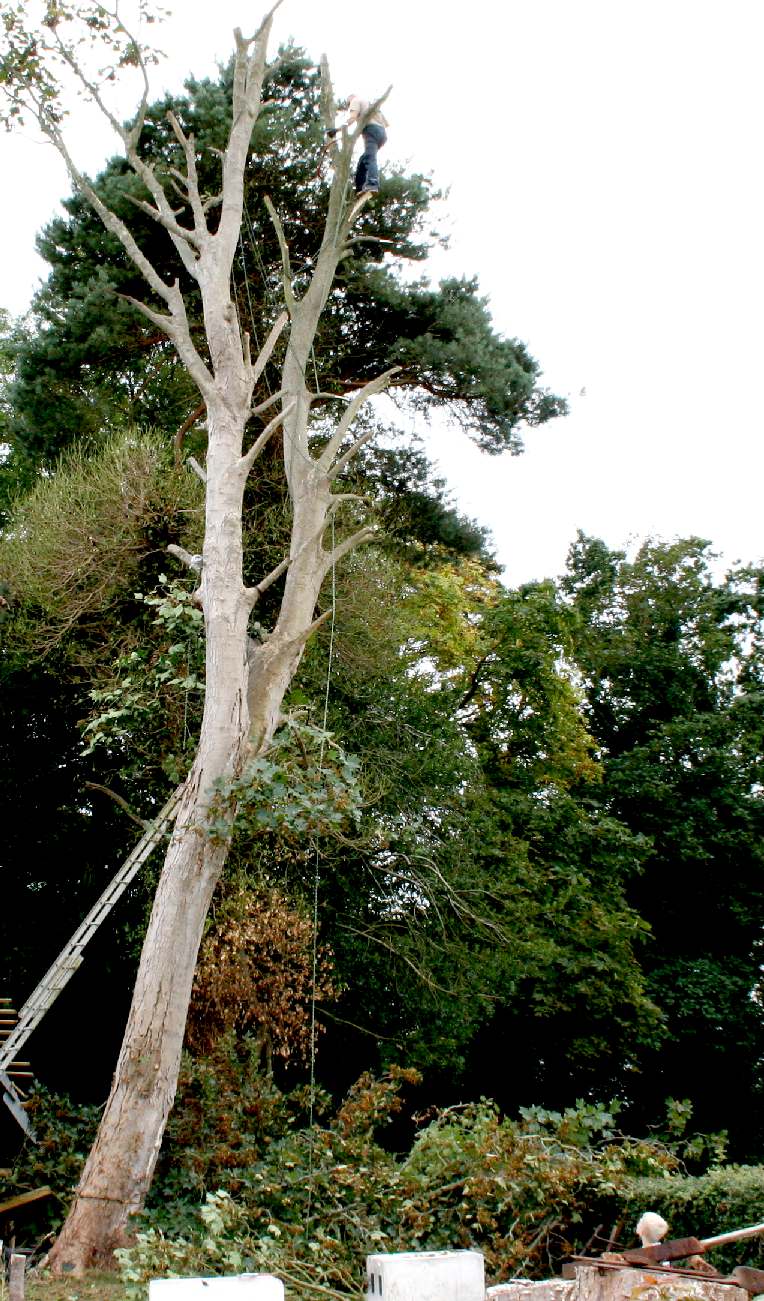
column 70, row 958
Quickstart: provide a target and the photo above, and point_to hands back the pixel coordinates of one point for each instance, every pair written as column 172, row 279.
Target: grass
column 95, row 1287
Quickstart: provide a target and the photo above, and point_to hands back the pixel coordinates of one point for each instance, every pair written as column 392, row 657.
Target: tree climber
column 374, row 136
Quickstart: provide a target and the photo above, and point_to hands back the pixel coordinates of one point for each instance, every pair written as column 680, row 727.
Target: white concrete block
column 239, row 1287
column 426, row 1276
column 551, row 1289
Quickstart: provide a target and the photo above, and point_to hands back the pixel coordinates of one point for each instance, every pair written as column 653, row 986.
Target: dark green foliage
column 672, row 666
column 487, row 896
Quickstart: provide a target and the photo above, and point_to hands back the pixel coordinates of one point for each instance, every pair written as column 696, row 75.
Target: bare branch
column 264, row 355
column 335, row 442
column 197, row 469
column 369, row 239
column 167, row 220
column 314, row 627
column 165, row 323
column 191, row 179
column 92, row 88
column 286, row 277
column 247, row 461
column 118, row 799
column 338, row 499
column 328, row 397
column 269, row 401
column 349, row 544
column 180, row 238
column 110, row 219
column 249, row 72
column 188, row 423
column 339, row 465
column 254, row 593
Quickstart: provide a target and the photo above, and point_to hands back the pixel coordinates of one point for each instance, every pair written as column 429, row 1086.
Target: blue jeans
column 367, row 171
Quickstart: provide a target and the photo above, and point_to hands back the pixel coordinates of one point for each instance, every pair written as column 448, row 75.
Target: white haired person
column 651, row 1228
column 374, row 137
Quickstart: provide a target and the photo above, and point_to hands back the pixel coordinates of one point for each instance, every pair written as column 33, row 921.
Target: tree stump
column 599, row 1284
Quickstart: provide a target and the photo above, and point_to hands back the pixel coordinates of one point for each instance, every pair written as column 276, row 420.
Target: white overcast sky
column 604, row 165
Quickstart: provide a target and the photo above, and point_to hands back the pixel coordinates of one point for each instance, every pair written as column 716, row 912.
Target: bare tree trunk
column 245, row 683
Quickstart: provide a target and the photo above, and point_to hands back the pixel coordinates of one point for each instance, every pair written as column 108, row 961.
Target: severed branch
column 254, row 593
column 185, row 557
column 328, row 397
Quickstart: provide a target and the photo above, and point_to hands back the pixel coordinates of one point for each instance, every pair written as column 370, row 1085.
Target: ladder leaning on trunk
column 70, row 958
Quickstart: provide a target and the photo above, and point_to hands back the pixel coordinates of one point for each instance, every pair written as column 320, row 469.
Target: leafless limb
column 118, row 799
column 328, row 397
column 269, row 401
column 185, row 557
column 197, row 469
column 188, row 423
column 350, row 453
column 376, row 385
column 247, row 461
column 349, row 544
column 256, row 592
column 286, row 265
column 191, row 179
column 264, row 355
column 166, row 220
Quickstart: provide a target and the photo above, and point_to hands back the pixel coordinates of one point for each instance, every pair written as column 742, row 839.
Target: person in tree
column 374, row 137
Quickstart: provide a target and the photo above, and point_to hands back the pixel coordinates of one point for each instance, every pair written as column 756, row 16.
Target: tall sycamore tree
column 245, row 679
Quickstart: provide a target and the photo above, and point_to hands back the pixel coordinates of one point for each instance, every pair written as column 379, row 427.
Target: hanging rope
column 316, row 874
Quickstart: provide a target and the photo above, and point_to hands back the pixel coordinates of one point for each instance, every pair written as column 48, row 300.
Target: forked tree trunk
column 245, row 682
